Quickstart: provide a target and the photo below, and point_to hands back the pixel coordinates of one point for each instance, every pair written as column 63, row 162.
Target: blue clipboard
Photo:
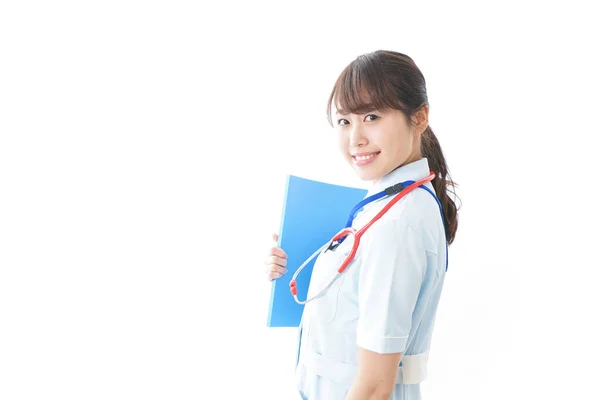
column 313, row 212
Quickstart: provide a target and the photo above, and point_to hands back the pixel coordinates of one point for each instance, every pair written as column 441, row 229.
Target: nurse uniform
column 385, row 301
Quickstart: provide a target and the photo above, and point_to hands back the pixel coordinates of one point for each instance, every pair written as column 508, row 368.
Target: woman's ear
column 421, row 119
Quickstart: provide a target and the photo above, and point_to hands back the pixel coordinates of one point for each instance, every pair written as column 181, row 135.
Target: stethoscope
column 402, row 189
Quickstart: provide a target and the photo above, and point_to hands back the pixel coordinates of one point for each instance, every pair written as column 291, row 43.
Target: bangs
column 362, row 88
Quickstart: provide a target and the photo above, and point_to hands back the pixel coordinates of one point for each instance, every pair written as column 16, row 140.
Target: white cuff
column 381, row 344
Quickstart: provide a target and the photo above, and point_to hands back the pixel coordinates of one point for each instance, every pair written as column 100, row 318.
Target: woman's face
column 378, row 142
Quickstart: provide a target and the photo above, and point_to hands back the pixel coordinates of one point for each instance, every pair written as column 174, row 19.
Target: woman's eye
column 341, row 121
column 372, row 115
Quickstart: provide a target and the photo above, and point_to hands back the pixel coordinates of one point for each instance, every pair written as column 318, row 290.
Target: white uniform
column 385, row 301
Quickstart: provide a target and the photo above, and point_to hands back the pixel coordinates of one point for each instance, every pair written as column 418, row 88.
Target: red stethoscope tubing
column 358, row 234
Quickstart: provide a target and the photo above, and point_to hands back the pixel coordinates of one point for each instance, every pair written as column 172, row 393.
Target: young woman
column 368, row 335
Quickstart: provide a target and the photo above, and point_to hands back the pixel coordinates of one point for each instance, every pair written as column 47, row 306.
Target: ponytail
column 431, row 149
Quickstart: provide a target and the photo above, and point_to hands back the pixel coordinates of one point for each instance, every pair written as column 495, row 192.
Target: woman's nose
column 357, row 137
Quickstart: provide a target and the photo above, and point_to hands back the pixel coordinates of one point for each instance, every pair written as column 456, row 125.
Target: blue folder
column 313, row 212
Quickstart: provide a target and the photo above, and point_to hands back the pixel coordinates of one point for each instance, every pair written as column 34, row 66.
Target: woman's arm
column 376, row 376
column 391, row 274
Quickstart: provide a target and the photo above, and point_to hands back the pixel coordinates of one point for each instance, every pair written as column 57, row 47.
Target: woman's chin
column 365, row 175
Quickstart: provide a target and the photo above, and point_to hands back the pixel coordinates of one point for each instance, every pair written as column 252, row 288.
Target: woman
column 369, row 335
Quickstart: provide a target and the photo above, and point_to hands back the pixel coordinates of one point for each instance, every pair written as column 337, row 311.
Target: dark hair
column 385, row 80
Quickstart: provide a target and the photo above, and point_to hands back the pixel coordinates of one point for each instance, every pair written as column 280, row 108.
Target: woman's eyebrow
column 364, row 112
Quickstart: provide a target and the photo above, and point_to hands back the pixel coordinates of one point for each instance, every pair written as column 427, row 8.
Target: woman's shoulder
column 418, row 214
column 420, row 210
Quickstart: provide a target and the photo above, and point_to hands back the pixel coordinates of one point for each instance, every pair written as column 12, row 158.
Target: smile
column 364, row 158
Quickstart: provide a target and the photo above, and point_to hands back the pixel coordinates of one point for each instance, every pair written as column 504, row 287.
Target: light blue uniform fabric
column 385, row 301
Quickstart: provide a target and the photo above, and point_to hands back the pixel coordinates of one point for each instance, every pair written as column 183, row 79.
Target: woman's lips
column 365, row 158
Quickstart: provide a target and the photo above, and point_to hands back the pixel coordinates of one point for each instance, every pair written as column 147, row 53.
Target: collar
column 410, row 172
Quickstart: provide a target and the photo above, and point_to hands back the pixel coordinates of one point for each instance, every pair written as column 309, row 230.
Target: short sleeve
column 393, row 265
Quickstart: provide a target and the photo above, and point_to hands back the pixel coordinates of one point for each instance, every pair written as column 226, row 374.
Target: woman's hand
column 276, row 261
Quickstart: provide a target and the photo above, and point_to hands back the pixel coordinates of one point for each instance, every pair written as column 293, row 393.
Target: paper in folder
column 313, row 212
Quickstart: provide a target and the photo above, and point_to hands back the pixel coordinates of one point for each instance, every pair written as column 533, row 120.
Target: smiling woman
column 367, row 336
column 362, row 137
column 380, row 101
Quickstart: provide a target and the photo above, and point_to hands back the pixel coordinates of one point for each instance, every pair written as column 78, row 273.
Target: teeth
column 362, row 158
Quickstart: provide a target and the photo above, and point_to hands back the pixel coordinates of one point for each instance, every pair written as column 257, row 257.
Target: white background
column 143, row 151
